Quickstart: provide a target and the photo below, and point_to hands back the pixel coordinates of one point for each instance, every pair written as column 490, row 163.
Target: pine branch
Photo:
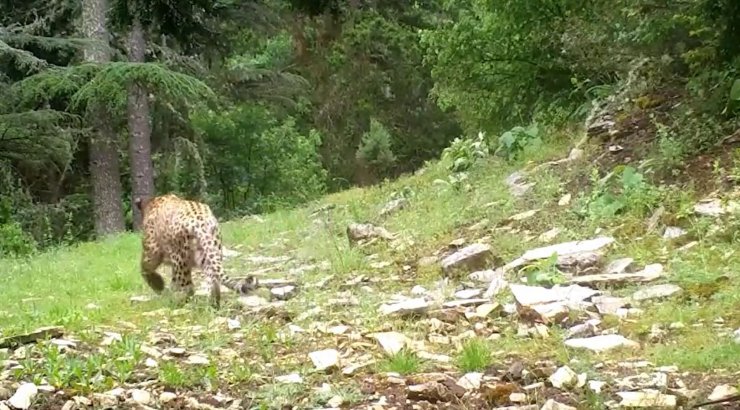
column 110, row 85
column 25, row 59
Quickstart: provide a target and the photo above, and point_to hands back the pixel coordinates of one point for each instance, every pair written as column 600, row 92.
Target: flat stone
column 470, row 381
column 468, row 293
column 647, row 399
column 563, row 378
column 722, row 391
column 465, row 302
column 408, row 306
column 23, row 396
column 324, row 359
column 289, row 378
column 650, row 273
column 283, row 292
column 609, row 304
column 618, row 265
column 601, row 343
column 656, row 292
column 472, row 257
column 391, row 342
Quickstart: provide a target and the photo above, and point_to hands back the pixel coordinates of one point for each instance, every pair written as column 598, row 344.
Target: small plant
column 464, row 152
column 404, row 362
column 475, row 355
column 544, row 272
column 624, row 190
column 671, row 151
column 513, row 142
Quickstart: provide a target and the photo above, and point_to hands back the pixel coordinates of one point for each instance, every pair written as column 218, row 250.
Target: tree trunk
column 140, row 128
column 104, row 165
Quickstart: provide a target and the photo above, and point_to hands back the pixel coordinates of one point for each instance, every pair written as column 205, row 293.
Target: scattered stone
column 140, row 299
column 391, row 342
column 405, row 307
column 252, row 301
column 470, row 381
column 140, row 396
column 324, row 359
column 283, row 292
column 596, row 386
column 618, row 265
column 579, row 262
column 647, row 399
column 549, row 235
column 468, row 293
column 564, row 200
column 601, row 343
column 609, row 304
column 289, row 378
column 433, row 392
column 656, row 292
column 197, row 360
column 534, row 295
column 233, row 324
column 49, row 332
column 586, row 329
column 166, row 397
column 522, row 215
column 472, row 257
column 23, row 396
column 551, row 404
column 464, row 302
column 722, row 391
column 713, row 207
column 516, row 185
column 362, row 232
column 104, row 400
column 673, row 232
column 650, row 273
column 563, row 378
column 518, row 397
column 393, row 206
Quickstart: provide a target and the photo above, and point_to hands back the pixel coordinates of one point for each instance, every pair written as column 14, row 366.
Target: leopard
column 184, row 234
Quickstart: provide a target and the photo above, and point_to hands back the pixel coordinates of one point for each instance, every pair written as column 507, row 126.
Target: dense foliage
column 256, row 105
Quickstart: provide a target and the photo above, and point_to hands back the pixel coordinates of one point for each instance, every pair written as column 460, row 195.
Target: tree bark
column 140, row 128
column 104, row 165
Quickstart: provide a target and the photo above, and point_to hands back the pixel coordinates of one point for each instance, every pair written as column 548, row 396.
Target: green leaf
column 735, row 91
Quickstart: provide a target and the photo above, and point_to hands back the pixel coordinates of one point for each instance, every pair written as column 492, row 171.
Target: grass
column 87, row 288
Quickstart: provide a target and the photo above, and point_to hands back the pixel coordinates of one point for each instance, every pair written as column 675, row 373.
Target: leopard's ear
column 138, row 203
column 141, row 203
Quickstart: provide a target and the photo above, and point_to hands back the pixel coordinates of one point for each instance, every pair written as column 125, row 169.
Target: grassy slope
column 57, row 287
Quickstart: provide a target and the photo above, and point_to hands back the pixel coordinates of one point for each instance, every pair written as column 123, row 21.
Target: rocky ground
column 384, row 322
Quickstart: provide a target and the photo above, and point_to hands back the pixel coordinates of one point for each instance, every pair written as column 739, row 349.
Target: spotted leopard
column 185, row 235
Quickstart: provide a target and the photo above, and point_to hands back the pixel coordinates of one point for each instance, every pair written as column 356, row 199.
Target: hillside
column 116, row 344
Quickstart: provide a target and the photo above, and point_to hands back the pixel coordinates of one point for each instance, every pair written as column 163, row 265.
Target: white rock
column 470, row 381
column 650, row 273
column 290, row 378
column 567, row 248
column 336, row 401
column 324, row 359
column 523, row 215
column 151, row 363
column 23, row 397
column 233, row 324
column 408, row 306
column 564, row 200
column 468, row 293
column 418, row 290
column 465, row 302
column 596, row 385
column 563, row 378
column 601, row 343
column 647, row 399
column 167, row 397
column 197, row 359
column 283, row 292
column 673, row 232
column 391, row 342
column 551, row 404
column 713, row 207
column 518, row 397
column 722, row 391
column 618, row 265
column 549, row 235
column 609, row 304
column 393, row 206
column 471, row 257
column 534, row 295
column 140, row 396
column 656, row 292
column 252, row 301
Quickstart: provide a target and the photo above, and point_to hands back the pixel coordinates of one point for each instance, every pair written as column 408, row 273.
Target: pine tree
column 104, row 164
